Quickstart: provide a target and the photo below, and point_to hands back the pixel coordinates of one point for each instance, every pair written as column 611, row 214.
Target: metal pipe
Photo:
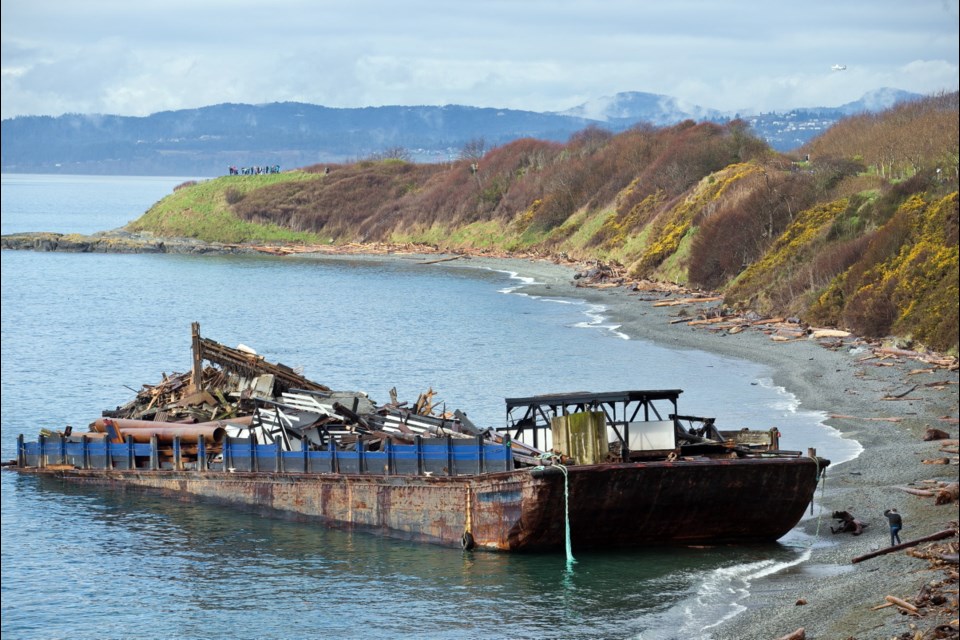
column 141, row 430
column 188, row 434
column 124, row 424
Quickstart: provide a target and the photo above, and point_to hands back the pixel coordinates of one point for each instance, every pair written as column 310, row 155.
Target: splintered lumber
column 251, row 365
column 940, row 535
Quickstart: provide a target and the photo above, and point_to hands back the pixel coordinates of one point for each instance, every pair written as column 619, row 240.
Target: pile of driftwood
column 602, row 275
column 711, row 314
column 937, row 598
column 942, row 492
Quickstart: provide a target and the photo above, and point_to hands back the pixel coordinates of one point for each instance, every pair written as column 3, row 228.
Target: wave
column 594, row 312
column 715, row 597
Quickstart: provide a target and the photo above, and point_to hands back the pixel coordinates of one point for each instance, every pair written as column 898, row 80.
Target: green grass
column 201, row 211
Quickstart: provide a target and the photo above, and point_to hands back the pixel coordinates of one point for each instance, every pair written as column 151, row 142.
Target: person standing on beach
column 896, row 523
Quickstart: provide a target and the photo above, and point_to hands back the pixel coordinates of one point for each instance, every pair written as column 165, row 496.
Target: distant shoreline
column 122, row 241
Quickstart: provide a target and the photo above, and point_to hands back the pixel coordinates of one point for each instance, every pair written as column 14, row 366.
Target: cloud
column 113, row 56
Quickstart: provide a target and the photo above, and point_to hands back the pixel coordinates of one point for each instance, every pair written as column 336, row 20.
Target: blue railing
column 426, row 456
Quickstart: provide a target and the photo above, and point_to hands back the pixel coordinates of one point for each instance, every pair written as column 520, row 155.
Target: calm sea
column 80, row 332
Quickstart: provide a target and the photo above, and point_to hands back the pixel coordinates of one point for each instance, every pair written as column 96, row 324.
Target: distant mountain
column 878, row 100
column 205, row 141
column 631, row 107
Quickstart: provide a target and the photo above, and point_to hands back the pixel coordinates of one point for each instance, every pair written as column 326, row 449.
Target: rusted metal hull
column 610, row 505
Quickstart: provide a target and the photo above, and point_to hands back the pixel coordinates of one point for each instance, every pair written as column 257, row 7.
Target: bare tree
column 392, row 153
column 473, row 150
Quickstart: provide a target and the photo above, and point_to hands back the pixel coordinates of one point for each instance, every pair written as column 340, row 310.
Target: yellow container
column 581, row 436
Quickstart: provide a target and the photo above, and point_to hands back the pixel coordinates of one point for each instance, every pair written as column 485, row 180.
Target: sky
column 140, row 57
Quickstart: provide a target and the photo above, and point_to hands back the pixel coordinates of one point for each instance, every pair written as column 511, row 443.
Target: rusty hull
column 611, row 505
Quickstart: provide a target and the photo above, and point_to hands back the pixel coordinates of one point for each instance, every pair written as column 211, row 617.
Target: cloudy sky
column 136, row 58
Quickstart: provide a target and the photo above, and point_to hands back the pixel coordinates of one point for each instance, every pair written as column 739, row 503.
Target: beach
column 828, row 596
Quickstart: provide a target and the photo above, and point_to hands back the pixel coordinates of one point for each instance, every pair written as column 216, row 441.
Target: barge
column 596, row 470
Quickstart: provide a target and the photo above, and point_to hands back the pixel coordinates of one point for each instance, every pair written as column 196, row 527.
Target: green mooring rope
column 823, row 486
column 566, row 503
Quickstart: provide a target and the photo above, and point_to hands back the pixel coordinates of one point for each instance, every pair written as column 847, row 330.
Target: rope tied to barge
column 554, row 459
column 822, row 475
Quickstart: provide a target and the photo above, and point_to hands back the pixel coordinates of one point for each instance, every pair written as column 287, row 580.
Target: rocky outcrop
column 114, row 242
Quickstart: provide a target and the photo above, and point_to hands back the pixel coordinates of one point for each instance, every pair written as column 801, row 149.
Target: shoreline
column 858, row 394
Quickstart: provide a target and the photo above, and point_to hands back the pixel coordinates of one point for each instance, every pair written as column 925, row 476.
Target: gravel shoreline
column 839, row 595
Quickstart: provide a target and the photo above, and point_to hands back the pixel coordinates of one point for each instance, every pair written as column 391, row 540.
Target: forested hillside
column 859, row 230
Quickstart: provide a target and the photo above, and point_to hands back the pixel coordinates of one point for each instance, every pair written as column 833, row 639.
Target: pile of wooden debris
column 936, row 602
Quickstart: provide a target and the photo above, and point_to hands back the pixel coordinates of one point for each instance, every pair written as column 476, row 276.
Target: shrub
column 233, row 195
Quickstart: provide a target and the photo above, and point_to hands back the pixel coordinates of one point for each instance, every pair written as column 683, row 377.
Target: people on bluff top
column 253, row 171
column 896, row 523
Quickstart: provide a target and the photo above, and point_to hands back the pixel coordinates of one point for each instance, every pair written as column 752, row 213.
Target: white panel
column 648, row 436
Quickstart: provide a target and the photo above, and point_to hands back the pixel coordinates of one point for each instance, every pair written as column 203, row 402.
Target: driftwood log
column 945, row 494
column 903, row 604
column 940, row 535
column 799, row 634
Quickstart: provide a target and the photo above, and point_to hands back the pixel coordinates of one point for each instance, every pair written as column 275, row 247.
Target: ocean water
column 80, row 332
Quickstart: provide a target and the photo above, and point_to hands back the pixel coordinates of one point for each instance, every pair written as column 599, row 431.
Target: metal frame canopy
column 619, row 407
